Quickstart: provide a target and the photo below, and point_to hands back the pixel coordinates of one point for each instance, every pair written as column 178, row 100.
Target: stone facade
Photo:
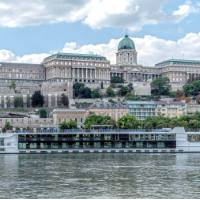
column 142, row 88
column 171, row 109
column 178, row 71
column 91, row 70
column 115, row 111
column 58, row 72
column 53, row 77
column 26, row 122
column 18, row 78
column 61, row 115
column 143, row 109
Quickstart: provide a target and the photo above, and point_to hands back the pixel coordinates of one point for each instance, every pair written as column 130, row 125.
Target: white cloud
column 105, row 49
column 185, row 10
column 127, row 14
column 6, row 56
column 32, row 58
column 151, row 50
column 19, row 13
column 9, row 56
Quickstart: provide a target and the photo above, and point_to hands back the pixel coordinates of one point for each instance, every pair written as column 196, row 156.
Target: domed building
column 127, row 54
column 179, row 71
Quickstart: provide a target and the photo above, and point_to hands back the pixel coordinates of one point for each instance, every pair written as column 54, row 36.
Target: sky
column 161, row 29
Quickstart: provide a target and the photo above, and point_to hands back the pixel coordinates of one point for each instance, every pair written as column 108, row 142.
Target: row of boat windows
column 82, row 145
column 114, row 137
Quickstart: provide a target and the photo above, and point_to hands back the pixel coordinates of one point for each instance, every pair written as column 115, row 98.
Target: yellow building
column 115, row 111
column 61, row 115
column 171, row 109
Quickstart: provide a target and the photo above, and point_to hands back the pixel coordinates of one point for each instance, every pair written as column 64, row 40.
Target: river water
column 100, row 176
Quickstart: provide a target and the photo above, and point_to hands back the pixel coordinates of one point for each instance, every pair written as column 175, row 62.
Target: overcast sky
column 161, row 29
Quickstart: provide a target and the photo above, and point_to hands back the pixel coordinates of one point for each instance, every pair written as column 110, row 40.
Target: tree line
column 131, row 122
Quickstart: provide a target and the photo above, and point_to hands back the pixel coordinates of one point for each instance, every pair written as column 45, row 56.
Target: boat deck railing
column 93, row 131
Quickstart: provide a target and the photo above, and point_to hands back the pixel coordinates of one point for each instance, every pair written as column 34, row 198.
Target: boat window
column 194, row 138
column 1, row 141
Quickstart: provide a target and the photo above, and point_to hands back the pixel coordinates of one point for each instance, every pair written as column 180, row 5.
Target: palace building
column 58, row 72
column 177, row 70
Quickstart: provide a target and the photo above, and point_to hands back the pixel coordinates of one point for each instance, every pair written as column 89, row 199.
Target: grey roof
column 12, row 64
column 178, row 61
column 104, row 105
column 75, row 56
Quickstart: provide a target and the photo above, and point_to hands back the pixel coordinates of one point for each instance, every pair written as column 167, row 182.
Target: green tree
column 128, row 122
column 86, row 92
column 98, row 120
column 194, row 124
column 95, row 93
column 80, row 91
column 71, row 124
column 77, row 88
column 192, row 89
column 160, row 86
column 43, row 113
column 117, row 79
column 102, row 86
column 132, row 97
column 110, row 92
column 37, row 99
column 130, row 88
column 188, row 89
column 18, row 102
column 13, row 86
column 64, row 100
column 7, row 126
column 156, row 122
column 123, row 91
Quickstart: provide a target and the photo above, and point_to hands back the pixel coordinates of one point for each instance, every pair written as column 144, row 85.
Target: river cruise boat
column 52, row 140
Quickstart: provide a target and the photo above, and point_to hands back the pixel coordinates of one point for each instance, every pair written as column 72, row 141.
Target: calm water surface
column 100, row 176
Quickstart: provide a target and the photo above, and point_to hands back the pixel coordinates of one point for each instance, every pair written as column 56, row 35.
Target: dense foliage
column 98, row 120
column 117, row 79
column 13, row 86
column 160, row 86
column 156, row 122
column 128, row 122
column 37, row 99
column 72, row 124
column 43, row 113
column 95, row 93
column 64, row 100
column 18, row 102
column 80, row 91
column 123, row 91
column 7, row 126
column 110, row 92
column 192, row 89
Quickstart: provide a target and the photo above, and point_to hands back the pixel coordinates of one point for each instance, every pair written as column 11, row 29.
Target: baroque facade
column 58, row 72
column 177, row 70
column 53, row 77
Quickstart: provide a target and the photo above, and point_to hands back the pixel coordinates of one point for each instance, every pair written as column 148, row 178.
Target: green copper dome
column 126, row 43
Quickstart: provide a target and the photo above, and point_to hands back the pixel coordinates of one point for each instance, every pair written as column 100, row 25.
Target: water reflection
column 100, row 176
